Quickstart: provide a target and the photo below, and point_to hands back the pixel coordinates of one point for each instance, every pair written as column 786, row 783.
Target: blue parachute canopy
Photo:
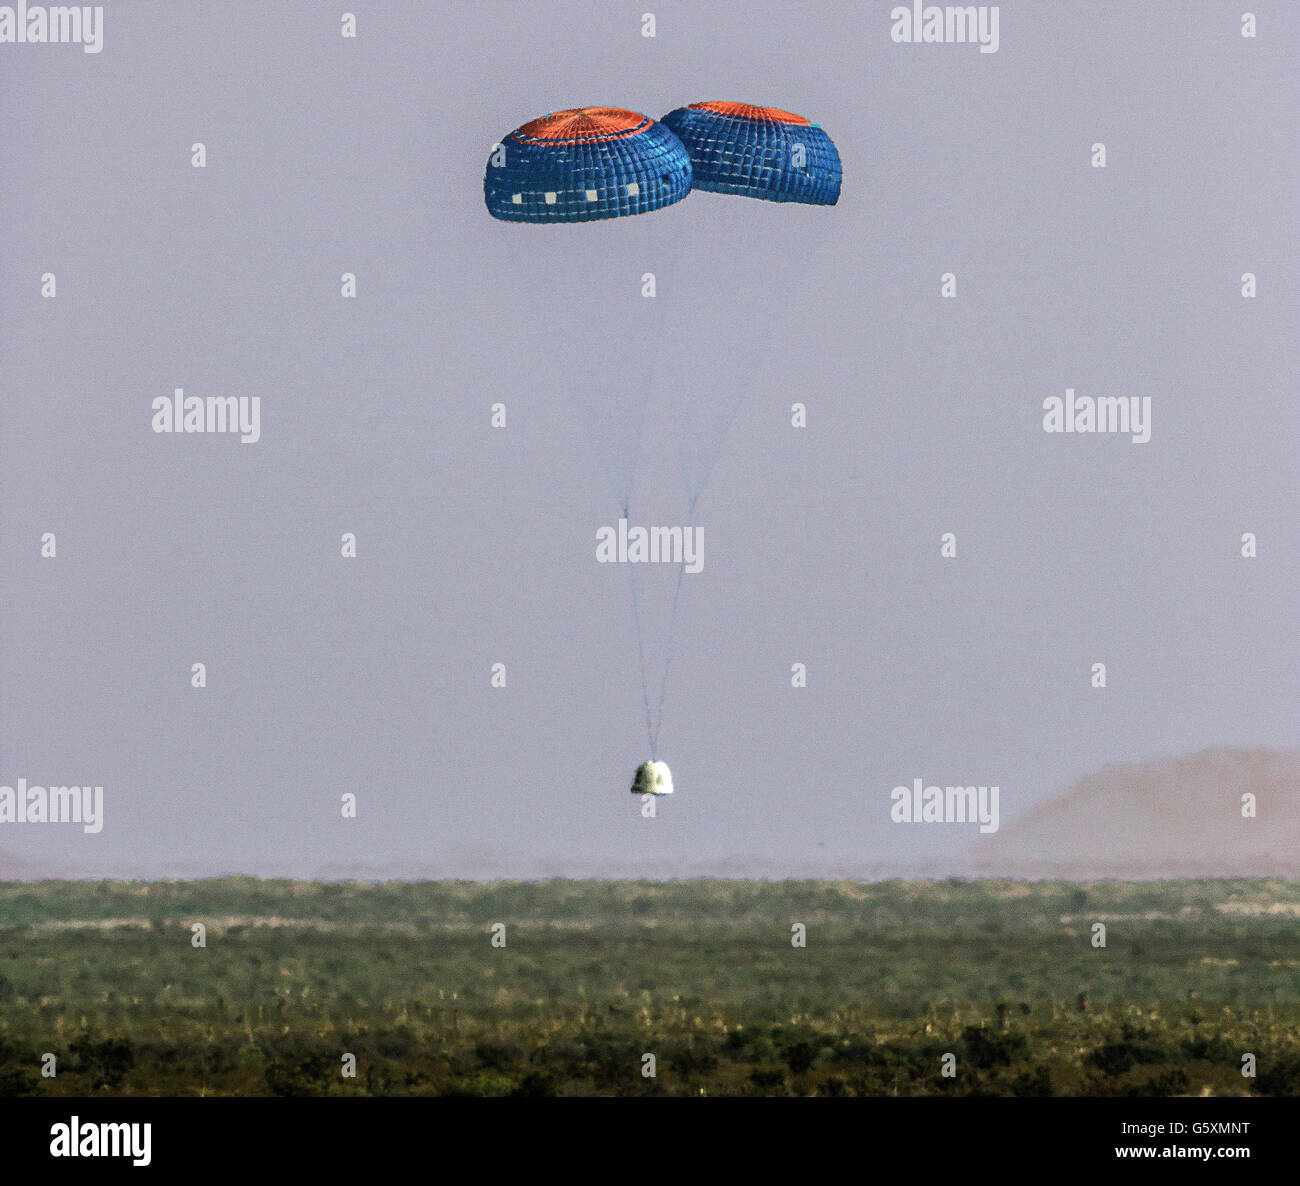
column 583, row 164
column 759, row 152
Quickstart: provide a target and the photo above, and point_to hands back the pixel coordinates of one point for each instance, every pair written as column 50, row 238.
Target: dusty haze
column 476, row 546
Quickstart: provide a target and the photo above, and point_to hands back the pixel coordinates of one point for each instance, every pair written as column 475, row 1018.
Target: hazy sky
column 475, row 546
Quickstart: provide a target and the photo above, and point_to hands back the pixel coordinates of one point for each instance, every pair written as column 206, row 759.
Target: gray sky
column 476, row 546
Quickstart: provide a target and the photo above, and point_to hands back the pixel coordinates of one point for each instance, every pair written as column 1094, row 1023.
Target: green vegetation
column 702, row 974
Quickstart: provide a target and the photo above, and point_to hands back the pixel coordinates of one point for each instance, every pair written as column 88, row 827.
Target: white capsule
column 652, row 778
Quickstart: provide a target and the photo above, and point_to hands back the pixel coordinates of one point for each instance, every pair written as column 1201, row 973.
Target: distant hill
column 1169, row 817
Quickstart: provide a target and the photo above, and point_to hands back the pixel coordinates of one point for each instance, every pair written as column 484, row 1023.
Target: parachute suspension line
column 640, row 651
column 672, row 629
column 699, row 468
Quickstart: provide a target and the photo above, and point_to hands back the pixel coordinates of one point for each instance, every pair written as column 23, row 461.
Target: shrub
column 986, row 1050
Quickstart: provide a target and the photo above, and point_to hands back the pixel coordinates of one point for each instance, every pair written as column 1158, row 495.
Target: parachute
column 564, row 190
column 593, row 175
column 750, row 260
column 758, row 152
column 585, row 164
